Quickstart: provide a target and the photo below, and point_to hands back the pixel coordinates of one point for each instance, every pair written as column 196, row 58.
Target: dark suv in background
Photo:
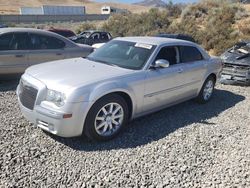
column 236, row 64
column 91, row 37
column 177, row 36
column 63, row 32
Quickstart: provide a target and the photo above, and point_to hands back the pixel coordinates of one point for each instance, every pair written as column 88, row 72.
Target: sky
column 133, row 1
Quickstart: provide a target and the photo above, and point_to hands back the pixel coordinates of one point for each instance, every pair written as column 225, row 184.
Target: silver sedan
column 124, row 79
column 22, row 47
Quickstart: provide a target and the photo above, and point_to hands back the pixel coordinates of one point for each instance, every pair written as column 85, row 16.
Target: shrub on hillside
column 219, row 32
column 185, row 26
column 244, row 27
column 85, row 26
column 173, row 10
column 137, row 24
column 210, row 22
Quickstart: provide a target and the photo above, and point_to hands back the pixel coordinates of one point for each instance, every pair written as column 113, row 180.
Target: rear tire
column 106, row 118
column 206, row 91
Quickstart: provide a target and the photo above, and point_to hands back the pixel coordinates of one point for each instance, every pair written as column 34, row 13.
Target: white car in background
column 98, row 45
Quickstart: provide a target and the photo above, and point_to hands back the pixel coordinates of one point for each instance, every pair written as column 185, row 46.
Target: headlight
column 56, row 97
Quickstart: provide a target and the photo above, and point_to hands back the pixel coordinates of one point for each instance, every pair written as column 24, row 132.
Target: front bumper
column 235, row 74
column 235, row 80
column 53, row 119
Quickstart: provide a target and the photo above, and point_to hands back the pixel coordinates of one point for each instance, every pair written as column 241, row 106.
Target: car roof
column 160, row 41
column 155, row 40
column 37, row 31
column 177, row 36
column 167, row 35
column 13, row 29
column 58, row 29
column 32, row 30
column 93, row 31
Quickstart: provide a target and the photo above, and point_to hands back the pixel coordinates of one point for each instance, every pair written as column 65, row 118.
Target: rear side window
column 39, row 42
column 190, row 54
column 5, row 41
column 104, row 36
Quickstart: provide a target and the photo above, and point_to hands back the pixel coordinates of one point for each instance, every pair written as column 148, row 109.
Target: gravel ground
column 188, row 145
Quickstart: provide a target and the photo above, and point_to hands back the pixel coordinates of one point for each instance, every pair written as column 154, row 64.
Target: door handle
column 19, row 55
column 59, row 54
column 180, row 70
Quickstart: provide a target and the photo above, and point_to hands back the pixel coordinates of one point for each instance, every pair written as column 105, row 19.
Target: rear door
column 13, row 53
column 194, row 69
column 45, row 48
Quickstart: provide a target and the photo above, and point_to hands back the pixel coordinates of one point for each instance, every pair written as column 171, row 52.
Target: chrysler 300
column 124, row 79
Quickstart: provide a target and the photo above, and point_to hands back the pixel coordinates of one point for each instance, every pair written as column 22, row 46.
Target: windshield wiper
column 101, row 61
column 114, row 65
column 93, row 59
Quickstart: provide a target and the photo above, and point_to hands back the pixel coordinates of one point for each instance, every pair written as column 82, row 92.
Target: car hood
column 236, row 58
column 74, row 73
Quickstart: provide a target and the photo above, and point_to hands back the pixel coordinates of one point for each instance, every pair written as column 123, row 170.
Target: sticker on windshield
column 140, row 45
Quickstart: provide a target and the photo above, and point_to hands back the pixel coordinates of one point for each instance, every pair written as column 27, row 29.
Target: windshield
column 124, row 54
column 85, row 34
column 241, row 47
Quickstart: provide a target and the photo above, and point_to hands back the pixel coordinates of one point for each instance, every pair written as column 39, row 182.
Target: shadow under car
column 158, row 125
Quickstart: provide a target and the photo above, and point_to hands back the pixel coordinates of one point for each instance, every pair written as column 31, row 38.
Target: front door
column 164, row 85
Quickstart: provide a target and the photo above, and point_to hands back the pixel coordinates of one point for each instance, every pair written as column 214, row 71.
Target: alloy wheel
column 208, row 90
column 109, row 119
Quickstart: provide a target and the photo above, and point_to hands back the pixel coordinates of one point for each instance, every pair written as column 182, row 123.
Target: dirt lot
column 188, row 145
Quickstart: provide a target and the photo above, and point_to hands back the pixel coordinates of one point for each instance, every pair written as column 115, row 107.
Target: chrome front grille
column 27, row 95
column 235, row 70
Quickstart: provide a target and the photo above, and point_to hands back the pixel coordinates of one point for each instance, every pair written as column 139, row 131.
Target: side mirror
column 160, row 63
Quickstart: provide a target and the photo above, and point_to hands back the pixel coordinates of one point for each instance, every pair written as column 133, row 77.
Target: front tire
column 106, row 118
column 206, row 91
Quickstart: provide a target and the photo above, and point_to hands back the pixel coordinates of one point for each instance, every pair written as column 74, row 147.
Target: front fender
column 96, row 91
column 112, row 87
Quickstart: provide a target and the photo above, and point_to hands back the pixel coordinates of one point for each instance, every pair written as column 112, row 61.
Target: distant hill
column 12, row 6
column 152, row 3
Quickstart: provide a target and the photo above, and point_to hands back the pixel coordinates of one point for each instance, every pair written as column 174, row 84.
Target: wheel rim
column 208, row 90
column 109, row 119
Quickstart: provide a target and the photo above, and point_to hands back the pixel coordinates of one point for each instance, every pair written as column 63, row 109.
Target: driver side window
column 169, row 53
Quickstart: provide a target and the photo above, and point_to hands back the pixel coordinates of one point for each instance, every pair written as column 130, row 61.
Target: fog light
column 51, row 127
